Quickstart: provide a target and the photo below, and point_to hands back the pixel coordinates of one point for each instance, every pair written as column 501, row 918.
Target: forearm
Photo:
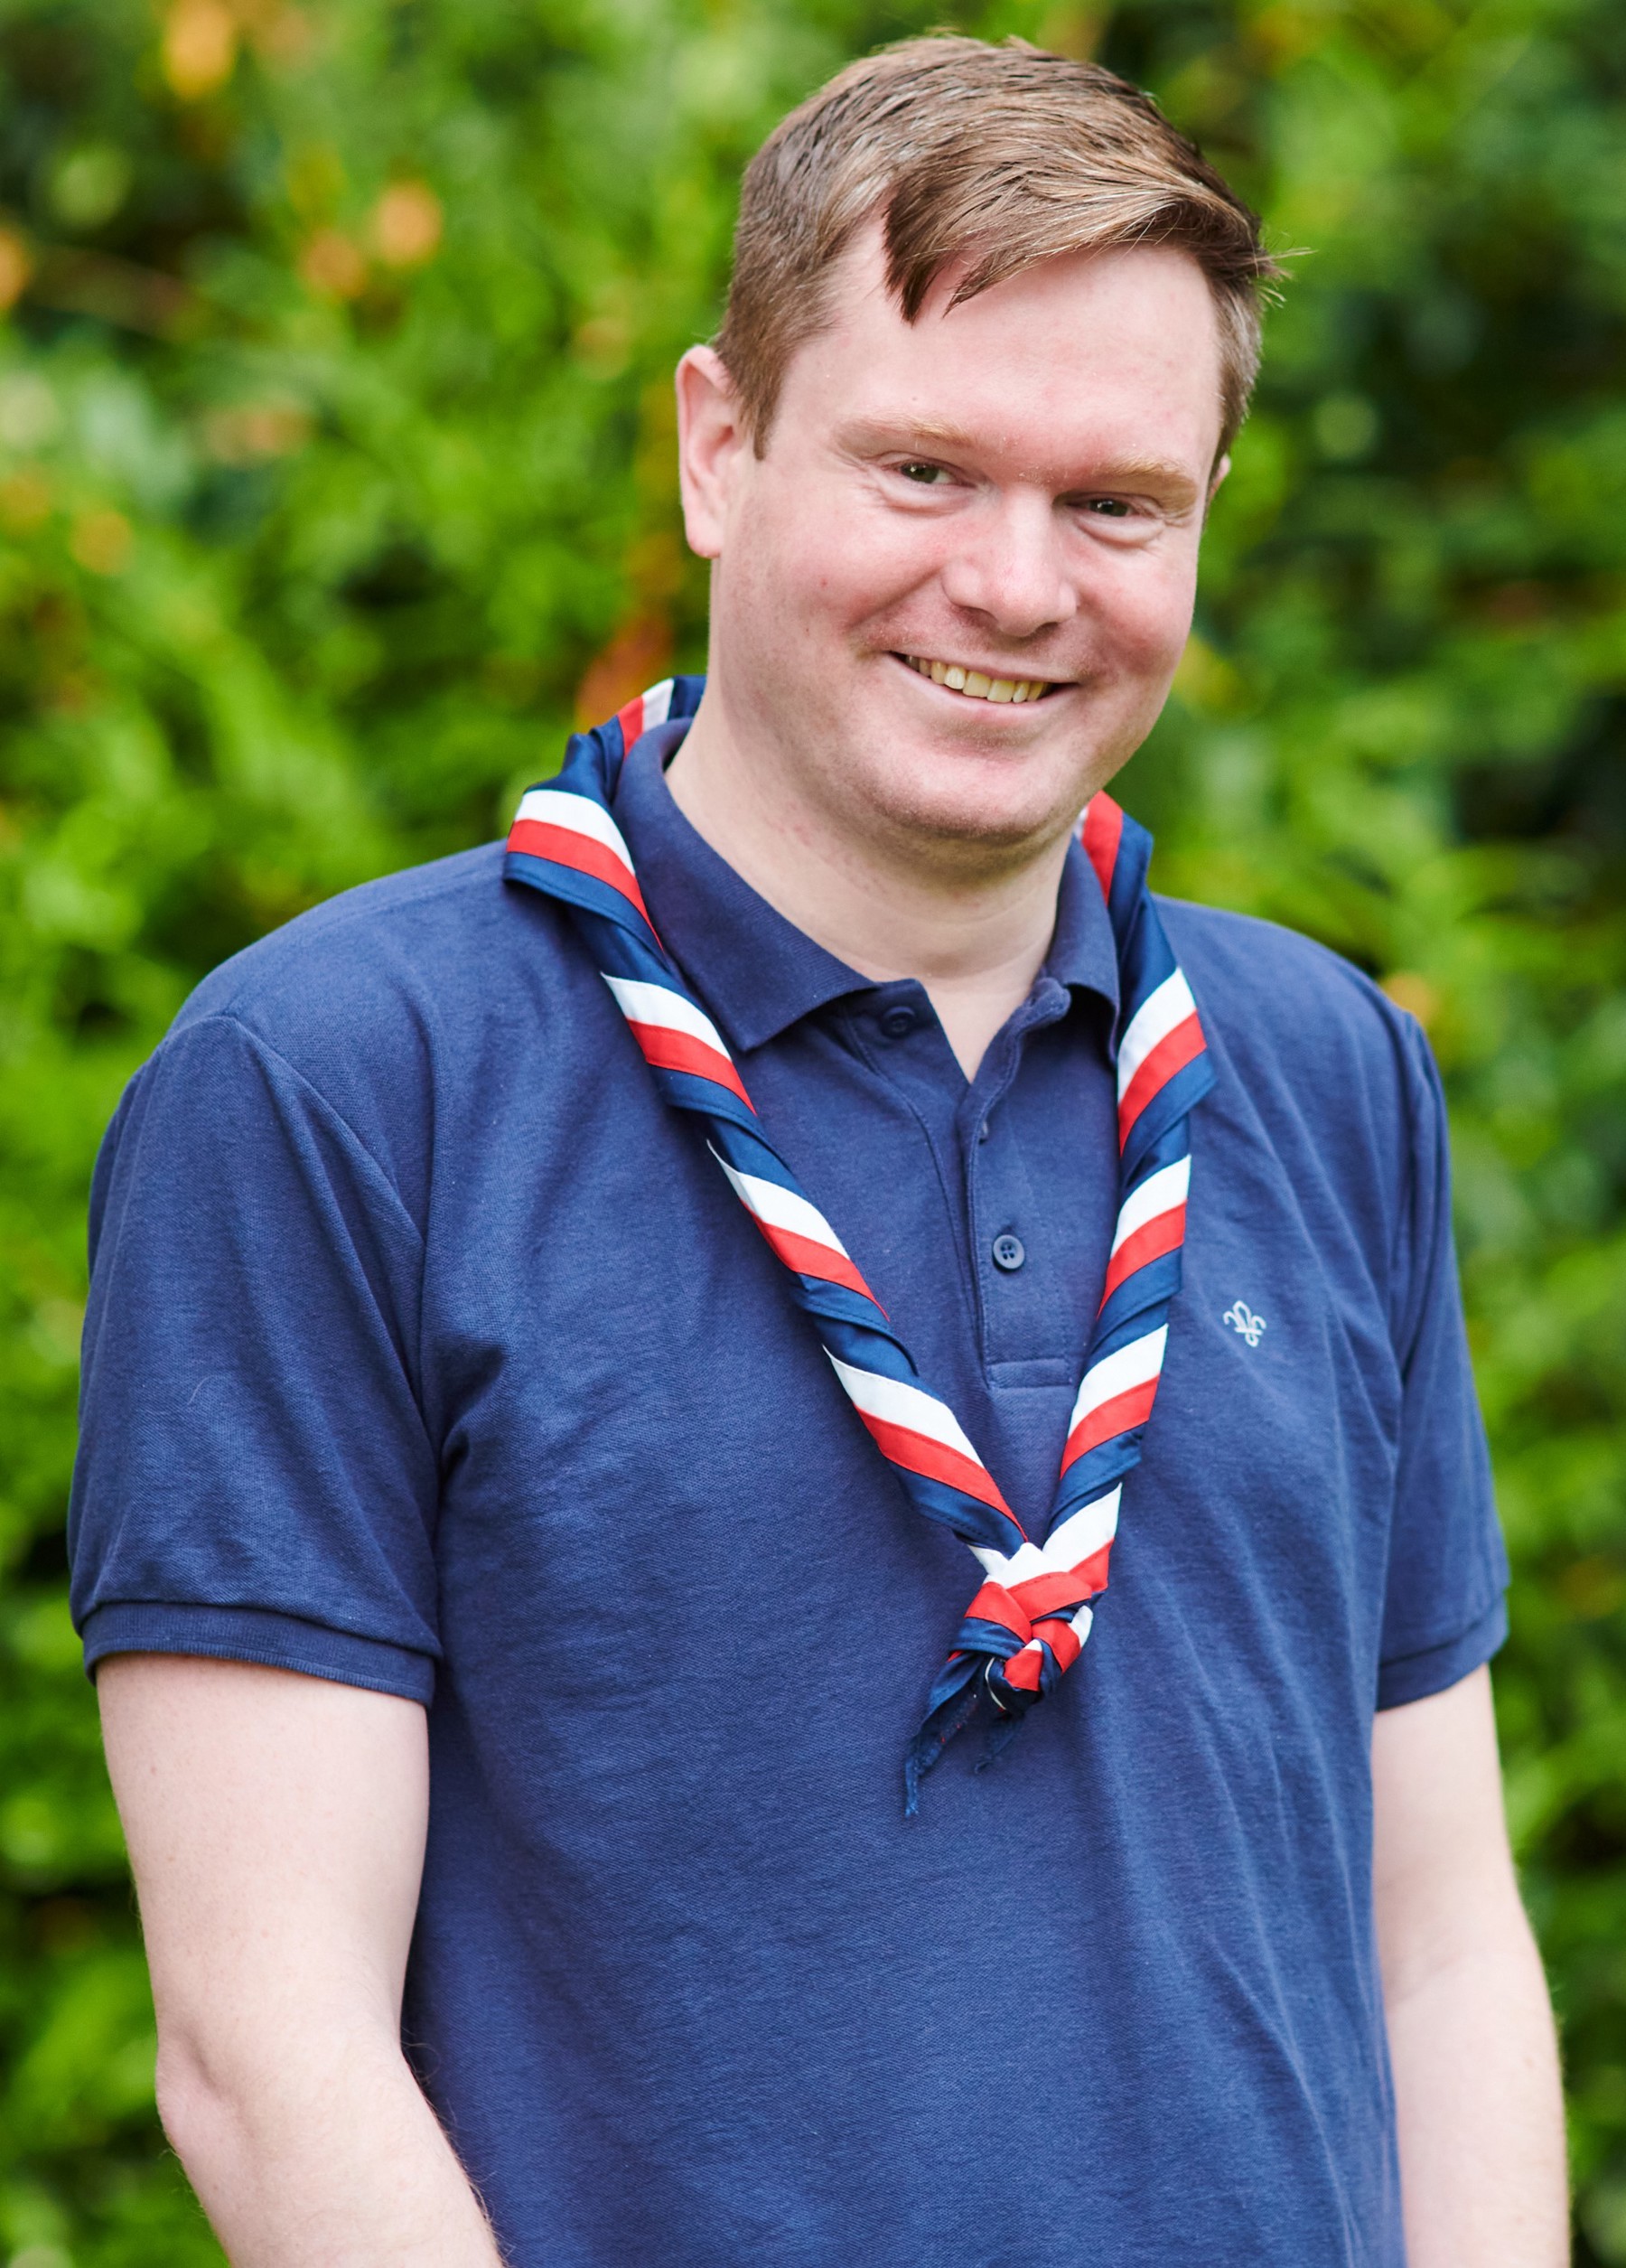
column 329, row 2157
column 1470, row 2032
column 1478, row 2105
column 276, row 1826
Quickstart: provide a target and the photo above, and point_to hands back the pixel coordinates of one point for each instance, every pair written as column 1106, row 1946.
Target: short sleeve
column 1443, row 1611
column 255, row 1478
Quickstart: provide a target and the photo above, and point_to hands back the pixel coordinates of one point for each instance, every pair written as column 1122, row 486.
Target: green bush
column 335, row 476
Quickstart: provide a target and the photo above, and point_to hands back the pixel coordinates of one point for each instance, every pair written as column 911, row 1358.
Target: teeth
column 977, row 685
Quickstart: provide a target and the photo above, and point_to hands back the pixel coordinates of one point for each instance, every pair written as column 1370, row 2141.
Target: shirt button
column 1009, row 1253
column 898, row 1022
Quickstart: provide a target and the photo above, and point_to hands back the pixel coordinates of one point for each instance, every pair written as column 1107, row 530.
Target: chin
column 1013, row 780
column 975, row 802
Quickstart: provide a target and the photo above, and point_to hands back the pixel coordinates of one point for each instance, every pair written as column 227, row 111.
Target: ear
column 1221, row 467
column 712, row 443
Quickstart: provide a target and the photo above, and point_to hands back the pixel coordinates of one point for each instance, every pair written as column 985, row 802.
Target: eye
column 1110, row 508
column 924, row 475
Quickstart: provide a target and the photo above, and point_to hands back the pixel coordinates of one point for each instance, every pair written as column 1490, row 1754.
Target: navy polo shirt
column 428, row 1351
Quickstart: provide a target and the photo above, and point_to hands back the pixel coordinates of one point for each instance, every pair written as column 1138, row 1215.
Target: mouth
column 977, row 685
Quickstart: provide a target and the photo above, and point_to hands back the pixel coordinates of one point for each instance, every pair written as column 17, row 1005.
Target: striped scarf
column 1031, row 1613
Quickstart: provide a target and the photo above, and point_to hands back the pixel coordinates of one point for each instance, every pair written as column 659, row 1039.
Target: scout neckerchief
column 1027, row 1622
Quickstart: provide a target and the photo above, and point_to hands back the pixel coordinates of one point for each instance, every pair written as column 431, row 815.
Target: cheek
column 835, row 557
column 1145, row 613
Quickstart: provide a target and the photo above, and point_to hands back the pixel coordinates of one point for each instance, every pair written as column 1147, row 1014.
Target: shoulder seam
column 263, row 1047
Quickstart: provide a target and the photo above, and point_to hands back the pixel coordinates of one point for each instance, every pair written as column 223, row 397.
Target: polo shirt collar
column 755, row 971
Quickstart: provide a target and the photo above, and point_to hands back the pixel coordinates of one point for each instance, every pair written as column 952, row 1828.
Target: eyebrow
column 1162, row 473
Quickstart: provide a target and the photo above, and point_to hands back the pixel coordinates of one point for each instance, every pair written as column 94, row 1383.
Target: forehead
column 1117, row 349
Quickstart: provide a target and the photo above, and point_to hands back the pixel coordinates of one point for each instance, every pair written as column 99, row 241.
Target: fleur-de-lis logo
column 1241, row 1317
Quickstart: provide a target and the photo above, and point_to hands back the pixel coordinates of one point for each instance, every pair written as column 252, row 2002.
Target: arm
column 276, row 1826
column 1471, row 2031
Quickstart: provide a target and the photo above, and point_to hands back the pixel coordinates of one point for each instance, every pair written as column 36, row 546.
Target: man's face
column 949, row 597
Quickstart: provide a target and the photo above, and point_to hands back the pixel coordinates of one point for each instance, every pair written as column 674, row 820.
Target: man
column 505, row 1571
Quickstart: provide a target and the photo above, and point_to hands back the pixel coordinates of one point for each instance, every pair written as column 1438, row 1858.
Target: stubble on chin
column 955, row 812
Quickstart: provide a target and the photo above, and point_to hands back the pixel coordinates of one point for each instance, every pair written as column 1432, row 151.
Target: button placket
column 1013, row 1288
column 988, row 1195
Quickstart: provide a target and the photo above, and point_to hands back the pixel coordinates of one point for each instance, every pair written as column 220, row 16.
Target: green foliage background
column 313, row 521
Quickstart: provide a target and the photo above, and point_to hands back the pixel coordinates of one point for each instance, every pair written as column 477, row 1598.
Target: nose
column 1008, row 567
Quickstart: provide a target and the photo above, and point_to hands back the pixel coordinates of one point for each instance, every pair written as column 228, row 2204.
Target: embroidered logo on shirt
column 1241, row 1317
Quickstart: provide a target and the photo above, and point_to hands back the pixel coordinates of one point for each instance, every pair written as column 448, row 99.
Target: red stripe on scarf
column 994, row 1603
column 1165, row 1233
column 1023, row 1671
column 1172, row 1052
column 668, row 1050
column 809, row 1258
column 935, row 1460
column 1042, row 1595
column 563, row 847
column 1103, row 830
column 1109, row 1419
column 1092, row 1572
column 1064, row 1642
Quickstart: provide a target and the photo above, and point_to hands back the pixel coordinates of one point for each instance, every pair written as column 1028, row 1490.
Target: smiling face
column 950, row 594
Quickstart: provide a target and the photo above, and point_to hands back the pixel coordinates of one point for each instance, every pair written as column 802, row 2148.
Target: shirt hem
column 1410, row 1677
column 260, row 1635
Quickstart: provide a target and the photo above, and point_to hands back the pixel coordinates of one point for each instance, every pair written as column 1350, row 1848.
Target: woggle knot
column 1026, row 1636
column 1028, row 1622
column 1036, row 1668
column 1008, row 1622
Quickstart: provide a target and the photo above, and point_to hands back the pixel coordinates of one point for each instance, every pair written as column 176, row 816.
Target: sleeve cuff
column 1409, row 1677
column 255, row 1633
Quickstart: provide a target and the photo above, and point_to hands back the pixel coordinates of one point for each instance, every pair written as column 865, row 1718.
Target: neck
column 975, row 942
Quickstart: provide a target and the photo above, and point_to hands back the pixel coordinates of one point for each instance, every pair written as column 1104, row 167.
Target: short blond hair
column 984, row 158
